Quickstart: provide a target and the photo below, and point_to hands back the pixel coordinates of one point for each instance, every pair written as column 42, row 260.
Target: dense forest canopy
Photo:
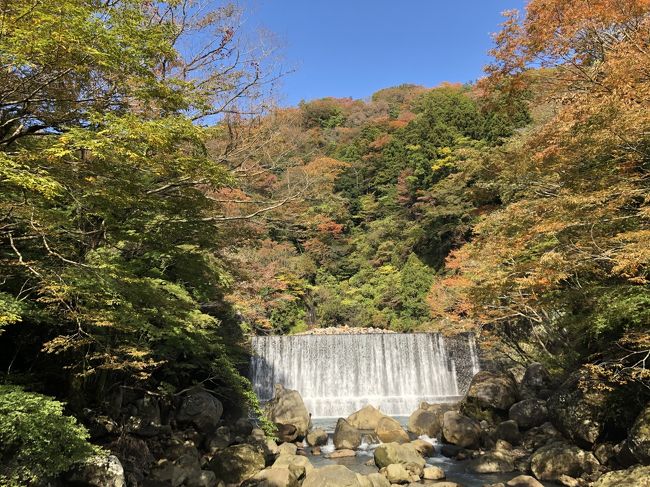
column 154, row 212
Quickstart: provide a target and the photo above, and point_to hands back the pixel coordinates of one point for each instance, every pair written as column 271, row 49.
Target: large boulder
column 528, row 413
column 424, row 448
column 638, row 439
column 374, row 480
column 432, row 472
column 536, row 382
column 509, row 431
column 201, row 409
column 287, row 407
column 524, row 481
column 638, row 476
column 397, row 474
column 237, row 463
column 439, row 409
column 346, row 436
column 460, row 430
column 389, row 430
column 276, row 477
column 317, row 437
column 424, row 422
column 286, row 432
column 552, row 461
column 98, row 471
column 492, row 390
column 331, row 476
column 298, row 464
column 367, row 418
column 389, row 453
column 493, row 462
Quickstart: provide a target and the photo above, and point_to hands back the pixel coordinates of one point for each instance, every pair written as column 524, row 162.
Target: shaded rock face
column 99, row 471
column 492, row 390
column 286, row 432
column 493, row 462
column 579, row 412
column 460, row 430
column 424, row 422
column 389, row 453
column 509, row 431
column 552, row 461
column 439, row 409
column 424, row 448
column 287, row 407
column 317, row 437
column 638, row 440
column 237, row 463
column 331, row 476
column 536, row 382
column 374, row 480
column 346, row 436
column 638, row 476
column 367, row 418
column 528, row 413
column 201, row 409
column 397, row 474
column 389, row 430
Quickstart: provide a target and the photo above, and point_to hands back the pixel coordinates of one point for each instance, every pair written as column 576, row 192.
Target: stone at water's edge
column 346, row 436
column 460, row 430
column 389, row 430
column 492, row 390
column 389, row 453
column 556, row 459
column 493, row 462
column 331, row 476
column 524, row 481
column 424, row 422
column 367, row 418
column 287, row 407
column 317, row 437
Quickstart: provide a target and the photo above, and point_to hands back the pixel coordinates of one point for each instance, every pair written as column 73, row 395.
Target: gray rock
column 493, row 462
column 424, row 448
column 397, row 474
column 552, row 461
column 638, row 440
column 237, row 463
column 317, row 437
column 298, row 464
column 99, row 471
column 424, row 422
column 536, row 380
column 287, row 449
column 367, row 418
column 201, row 409
column 388, row 453
column 509, row 431
column 346, row 436
column 433, row 473
column 529, row 413
column 286, row 432
column 331, row 476
column 389, row 430
column 492, row 390
column 638, row 476
column 460, row 430
column 287, row 407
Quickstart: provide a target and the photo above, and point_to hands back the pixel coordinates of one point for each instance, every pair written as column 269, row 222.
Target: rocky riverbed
column 510, row 430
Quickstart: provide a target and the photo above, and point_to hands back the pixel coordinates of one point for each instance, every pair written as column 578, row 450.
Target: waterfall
column 338, row 374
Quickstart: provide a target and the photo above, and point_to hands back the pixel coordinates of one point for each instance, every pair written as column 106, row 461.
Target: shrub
column 37, row 441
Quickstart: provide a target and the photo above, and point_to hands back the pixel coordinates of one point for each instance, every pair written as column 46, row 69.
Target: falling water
column 338, row 374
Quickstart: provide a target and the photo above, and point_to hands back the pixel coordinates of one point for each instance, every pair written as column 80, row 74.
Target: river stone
column 524, row 481
column 579, row 411
column 396, row 474
column 529, row 413
column 98, row 471
column 201, row 409
column 460, row 430
column 492, row 390
column 287, row 407
column 509, row 431
column 552, row 461
column 376, row 480
column 367, row 418
column 424, row 422
column 298, row 464
column 276, row 477
column 346, row 437
column 286, row 432
column 389, row 453
column 493, row 462
column 433, row 473
column 389, row 430
column 236, row 463
column 424, row 448
column 638, row 440
column 638, row 476
column 439, row 409
column 331, row 476
column 317, row 437
column 287, row 449
column 341, row 454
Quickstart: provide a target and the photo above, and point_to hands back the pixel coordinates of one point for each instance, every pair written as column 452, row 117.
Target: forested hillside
column 156, row 211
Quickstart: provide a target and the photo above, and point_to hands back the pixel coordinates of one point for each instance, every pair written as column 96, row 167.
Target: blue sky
column 353, row 48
